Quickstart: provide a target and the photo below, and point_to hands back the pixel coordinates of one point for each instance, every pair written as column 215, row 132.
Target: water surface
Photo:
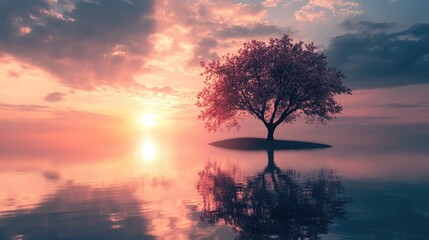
column 165, row 188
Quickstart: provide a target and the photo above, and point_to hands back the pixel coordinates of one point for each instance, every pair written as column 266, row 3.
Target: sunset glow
column 214, row 119
column 148, row 120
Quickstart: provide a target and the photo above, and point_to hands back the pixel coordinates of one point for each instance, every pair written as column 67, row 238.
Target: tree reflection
column 272, row 204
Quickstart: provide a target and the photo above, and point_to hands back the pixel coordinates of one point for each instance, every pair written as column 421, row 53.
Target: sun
column 147, row 120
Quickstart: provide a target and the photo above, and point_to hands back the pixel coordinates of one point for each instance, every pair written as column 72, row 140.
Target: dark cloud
column 205, row 49
column 366, row 26
column 366, row 119
column 54, row 97
column 84, row 43
column 51, row 176
column 382, row 59
column 405, row 105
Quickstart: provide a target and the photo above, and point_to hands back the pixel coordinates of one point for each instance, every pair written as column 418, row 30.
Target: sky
column 79, row 71
column 88, row 80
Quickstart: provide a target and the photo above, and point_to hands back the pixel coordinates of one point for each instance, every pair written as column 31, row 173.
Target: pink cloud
column 192, row 31
column 23, row 107
column 55, row 97
column 271, row 3
column 320, row 10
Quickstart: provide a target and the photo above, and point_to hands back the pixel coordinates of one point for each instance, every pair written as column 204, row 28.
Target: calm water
column 184, row 189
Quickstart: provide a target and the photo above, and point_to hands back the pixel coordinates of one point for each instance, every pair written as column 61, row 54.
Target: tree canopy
column 275, row 82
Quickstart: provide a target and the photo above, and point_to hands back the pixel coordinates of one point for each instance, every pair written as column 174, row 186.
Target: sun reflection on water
column 147, row 150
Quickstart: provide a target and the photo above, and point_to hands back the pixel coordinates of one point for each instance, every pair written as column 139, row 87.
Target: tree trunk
column 271, row 165
column 270, row 136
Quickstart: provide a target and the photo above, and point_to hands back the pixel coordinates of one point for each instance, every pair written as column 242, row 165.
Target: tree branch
column 258, row 79
column 276, row 104
column 250, row 108
column 287, row 112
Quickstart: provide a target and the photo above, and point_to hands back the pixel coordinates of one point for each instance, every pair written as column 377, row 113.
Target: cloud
column 23, row 107
column 382, row 59
column 114, row 43
column 208, row 48
column 320, row 10
column 51, row 176
column 167, row 90
column 55, row 97
column 205, row 49
column 420, row 105
column 85, row 44
column 271, row 3
column 251, row 31
column 366, row 26
column 199, row 29
column 13, row 74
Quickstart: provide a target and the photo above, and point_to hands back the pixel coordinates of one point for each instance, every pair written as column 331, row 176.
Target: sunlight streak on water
column 148, row 151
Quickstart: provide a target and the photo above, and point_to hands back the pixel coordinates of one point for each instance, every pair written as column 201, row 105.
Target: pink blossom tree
column 275, row 82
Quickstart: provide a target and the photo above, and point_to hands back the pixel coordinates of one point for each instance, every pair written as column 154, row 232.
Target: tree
column 273, row 204
column 275, row 82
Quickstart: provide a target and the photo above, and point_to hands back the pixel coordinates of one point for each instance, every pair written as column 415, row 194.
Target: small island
column 258, row 144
